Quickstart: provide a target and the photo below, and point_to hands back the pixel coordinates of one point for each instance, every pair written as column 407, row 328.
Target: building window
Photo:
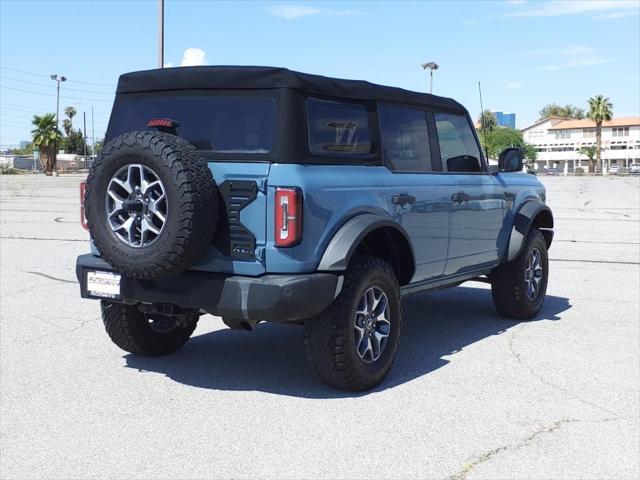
column 620, row 131
column 588, row 132
column 562, row 134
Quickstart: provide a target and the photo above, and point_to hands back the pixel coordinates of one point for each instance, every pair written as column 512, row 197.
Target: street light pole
column 431, row 66
column 58, row 79
column 161, row 34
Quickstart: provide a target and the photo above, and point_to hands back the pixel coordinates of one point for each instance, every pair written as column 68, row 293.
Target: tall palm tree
column 67, row 123
column 46, row 138
column 600, row 110
column 487, row 120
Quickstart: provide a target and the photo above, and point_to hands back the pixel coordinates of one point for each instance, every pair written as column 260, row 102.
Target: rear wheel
column 519, row 286
column 352, row 344
column 142, row 334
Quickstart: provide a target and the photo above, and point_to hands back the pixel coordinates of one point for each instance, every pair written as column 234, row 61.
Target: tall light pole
column 58, row 79
column 161, row 34
column 431, row 66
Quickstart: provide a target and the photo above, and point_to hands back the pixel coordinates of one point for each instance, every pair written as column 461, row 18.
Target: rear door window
column 337, row 128
column 213, row 123
column 458, row 146
column 405, row 139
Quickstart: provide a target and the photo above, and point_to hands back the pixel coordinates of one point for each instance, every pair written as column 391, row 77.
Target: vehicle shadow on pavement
column 272, row 359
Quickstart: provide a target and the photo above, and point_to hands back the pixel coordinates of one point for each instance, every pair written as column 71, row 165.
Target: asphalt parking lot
column 471, row 395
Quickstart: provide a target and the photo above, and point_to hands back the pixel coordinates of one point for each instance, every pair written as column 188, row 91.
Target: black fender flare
column 345, row 241
column 523, row 219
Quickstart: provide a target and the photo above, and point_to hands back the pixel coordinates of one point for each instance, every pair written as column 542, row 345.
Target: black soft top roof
column 252, row 78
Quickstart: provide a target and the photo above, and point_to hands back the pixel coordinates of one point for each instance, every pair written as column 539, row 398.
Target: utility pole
column 84, row 139
column 161, row 34
column 93, row 135
column 431, row 66
column 58, row 79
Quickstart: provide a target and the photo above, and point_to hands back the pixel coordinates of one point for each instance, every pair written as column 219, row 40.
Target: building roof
column 586, row 123
column 553, row 120
column 252, row 78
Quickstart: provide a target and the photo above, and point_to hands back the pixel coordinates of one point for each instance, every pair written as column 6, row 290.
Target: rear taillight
column 288, row 213
column 83, row 218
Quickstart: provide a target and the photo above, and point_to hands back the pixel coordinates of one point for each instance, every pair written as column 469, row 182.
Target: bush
column 579, row 171
column 6, row 169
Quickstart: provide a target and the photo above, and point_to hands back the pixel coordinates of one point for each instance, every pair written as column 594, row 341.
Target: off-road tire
column 129, row 329
column 508, row 287
column 191, row 195
column 329, row 337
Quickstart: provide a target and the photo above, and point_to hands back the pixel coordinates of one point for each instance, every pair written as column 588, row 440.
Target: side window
column 458, row 146
column 405, row 139
column 337, row 128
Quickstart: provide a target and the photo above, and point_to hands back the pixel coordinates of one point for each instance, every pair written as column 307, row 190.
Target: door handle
column 403, row 199
column 460, row 197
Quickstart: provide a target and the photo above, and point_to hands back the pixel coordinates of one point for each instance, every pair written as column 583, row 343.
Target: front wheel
column 352, row 344
column 519, row 286
column 142, row 334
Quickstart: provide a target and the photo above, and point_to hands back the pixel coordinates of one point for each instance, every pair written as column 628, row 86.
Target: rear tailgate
column 241, row 236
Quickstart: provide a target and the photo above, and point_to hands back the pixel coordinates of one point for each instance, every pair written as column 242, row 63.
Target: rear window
column 337, row 128
column 218, row 124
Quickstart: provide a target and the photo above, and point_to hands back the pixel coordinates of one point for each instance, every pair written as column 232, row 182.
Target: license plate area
column 101, row 284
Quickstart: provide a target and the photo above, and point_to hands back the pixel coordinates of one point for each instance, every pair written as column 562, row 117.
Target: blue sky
column 525, row 53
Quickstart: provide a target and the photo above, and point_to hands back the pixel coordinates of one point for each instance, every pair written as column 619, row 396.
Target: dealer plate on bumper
column 103, row 284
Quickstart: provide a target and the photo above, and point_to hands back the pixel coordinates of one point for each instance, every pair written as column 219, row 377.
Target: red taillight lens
column 288, row 211
column 161, row 122
column 83, row 218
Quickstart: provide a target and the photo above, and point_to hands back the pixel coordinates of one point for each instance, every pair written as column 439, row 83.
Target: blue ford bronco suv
column 262, row 194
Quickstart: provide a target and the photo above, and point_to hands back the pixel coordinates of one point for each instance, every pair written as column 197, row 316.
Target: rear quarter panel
column 332, row 195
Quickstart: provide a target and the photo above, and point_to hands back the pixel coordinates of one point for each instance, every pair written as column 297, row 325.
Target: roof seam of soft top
column 248, row 78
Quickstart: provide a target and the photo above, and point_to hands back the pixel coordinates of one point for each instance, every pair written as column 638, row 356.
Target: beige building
column 558, row 142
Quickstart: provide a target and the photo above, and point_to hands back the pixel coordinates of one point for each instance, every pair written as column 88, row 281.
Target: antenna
column 482, row 124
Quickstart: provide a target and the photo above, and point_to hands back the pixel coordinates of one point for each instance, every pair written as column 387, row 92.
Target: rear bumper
column 272, row 297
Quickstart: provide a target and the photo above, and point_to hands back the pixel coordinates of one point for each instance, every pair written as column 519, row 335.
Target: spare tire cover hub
column 137, row 205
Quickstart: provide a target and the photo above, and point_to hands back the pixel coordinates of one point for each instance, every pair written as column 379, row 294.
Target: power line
column 53, row 94
column 53, row 86
column 47, row 76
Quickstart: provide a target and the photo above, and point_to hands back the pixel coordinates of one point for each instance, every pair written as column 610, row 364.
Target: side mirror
column 511, row 160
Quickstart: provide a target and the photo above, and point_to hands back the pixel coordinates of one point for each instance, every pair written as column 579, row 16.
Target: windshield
column 214, row 123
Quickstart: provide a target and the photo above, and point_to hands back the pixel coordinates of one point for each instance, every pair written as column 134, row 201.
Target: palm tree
column 589, row 152
column 67, row 123
column 487, row 120
column 600, row 110
column 46, row 138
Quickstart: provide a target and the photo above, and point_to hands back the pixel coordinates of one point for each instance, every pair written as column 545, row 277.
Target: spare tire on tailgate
column 151, row 204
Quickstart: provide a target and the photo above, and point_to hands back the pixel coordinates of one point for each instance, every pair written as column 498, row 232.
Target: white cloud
column 168, row 65
column 514, row 84
column 575, row 63
column 192, row 56
column 598, row 8
column 290, row 12
column 515, row 2
column 573, row 56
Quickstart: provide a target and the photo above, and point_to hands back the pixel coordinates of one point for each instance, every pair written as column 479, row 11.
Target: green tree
column 590, row 153
column 67, row 123
column 487, row 120
column 600, row 110
column 76, row 143
column 27, row 150
column 46, row 138
column 568, row 111
column 98, row 146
